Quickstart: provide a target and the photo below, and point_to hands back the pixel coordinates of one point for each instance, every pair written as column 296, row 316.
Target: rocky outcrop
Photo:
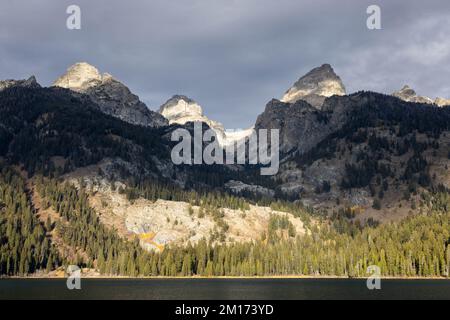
column 163, row 222
column 299, row 124
column 112, row 96
column 409, row 95
column 238, row 187
column 315, row 87
column 28, row 83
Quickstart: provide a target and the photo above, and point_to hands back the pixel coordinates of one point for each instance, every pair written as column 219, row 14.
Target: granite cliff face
column 112, row 96
column 308, row 112
column 28, row 83
column 409, row 95
column 302, row 126
column 315, row 87
column 298, row 123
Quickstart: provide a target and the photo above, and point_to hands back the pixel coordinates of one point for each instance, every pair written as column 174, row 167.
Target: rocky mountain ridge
column 408, row 94
column 112, row 96
column 27, row 83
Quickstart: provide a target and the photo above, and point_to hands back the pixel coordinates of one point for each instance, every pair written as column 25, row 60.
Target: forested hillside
column 41, row 123
column 50, row 131
column 387, row 152
column 24, row 246
column 417, row 246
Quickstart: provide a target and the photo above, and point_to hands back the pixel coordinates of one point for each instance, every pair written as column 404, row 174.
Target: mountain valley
column 90, row 165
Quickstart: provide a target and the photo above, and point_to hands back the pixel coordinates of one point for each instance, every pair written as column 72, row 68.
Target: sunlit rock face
column 79, row 77
column 180, row 110
column 112, row 96
column 314, row 87
column 409, row 95
column 441, row 102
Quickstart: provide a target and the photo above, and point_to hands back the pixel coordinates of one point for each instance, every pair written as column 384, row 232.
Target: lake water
column 223, row 289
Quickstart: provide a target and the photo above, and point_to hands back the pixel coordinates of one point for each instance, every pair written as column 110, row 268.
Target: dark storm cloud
column 232, row 56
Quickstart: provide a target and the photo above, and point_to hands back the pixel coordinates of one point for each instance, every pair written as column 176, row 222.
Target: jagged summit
column 112, row 96
column 181, row 110
column 178, row 97
column 80, row 77
column 408, row 94
column 315, row 86
column 29, row 83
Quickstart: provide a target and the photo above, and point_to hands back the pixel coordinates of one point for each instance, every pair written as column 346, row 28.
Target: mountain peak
column 408, row 94
column 325, row 67
column 79, row 77
column 315, row 86
column 181, row 109
column 112, row 96
column 84, row 66
column 32, row 80
column 407, row 90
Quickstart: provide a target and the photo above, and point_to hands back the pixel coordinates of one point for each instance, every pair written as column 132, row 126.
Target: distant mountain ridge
column 28, row 83
column 408, row 94
column 116, row 99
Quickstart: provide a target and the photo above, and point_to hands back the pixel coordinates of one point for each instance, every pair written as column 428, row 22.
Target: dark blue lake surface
column 235, row 289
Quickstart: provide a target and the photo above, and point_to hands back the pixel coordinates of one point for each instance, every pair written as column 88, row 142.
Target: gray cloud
column 232, row 56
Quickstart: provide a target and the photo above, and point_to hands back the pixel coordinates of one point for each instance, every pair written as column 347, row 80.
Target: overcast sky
column 231, row 56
